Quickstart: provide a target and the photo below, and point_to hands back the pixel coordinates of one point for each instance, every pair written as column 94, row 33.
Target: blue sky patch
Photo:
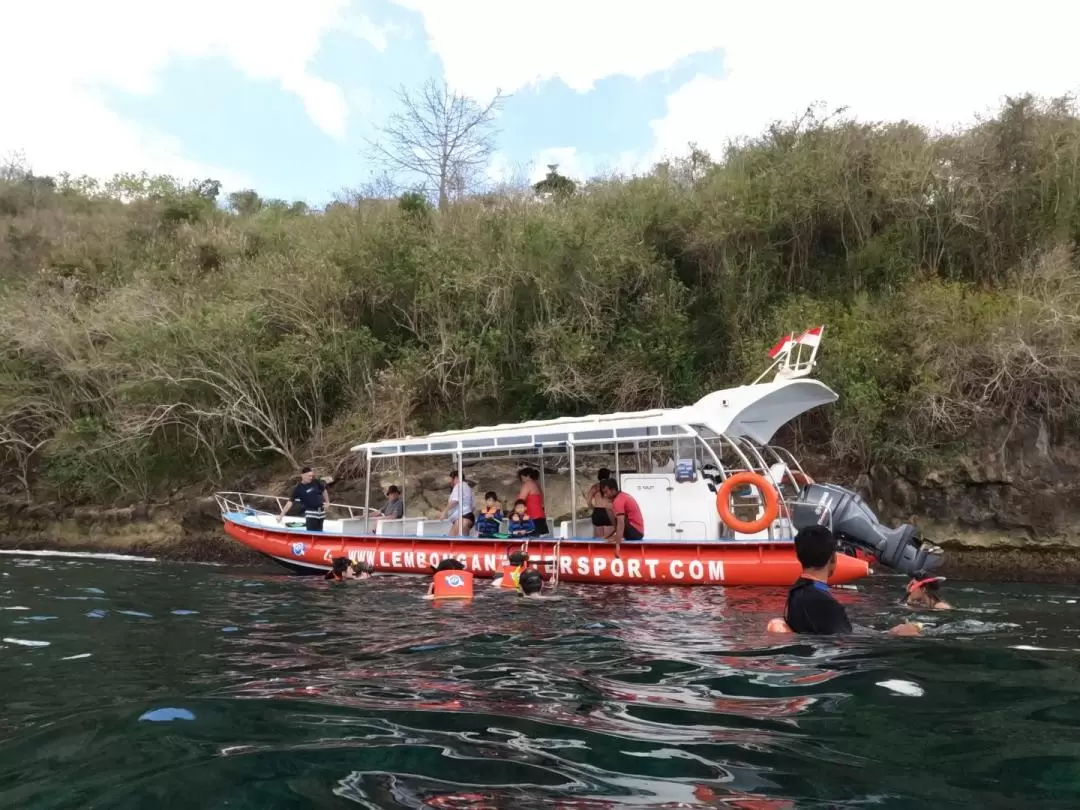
column 258, row 129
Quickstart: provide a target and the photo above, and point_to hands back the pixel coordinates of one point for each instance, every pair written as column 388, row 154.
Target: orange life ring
column 768, row 494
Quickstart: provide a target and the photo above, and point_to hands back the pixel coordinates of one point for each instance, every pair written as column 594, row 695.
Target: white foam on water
column 26, row 642
column 14, row 607
column 86, row 555
column 74, row 657
column 1033, row 648
column 908, row 688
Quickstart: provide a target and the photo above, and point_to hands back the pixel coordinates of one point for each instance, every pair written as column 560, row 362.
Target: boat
column 721, row 504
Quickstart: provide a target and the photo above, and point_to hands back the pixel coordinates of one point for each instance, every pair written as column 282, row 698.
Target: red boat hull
column 639, row 563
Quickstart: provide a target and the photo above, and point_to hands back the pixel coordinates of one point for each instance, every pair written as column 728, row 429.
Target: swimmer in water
column 517, row 561
column 531, row 585
column 925, row 592
column 362, row 569
column 340, row 571
column 811, row 608
column 448, row 564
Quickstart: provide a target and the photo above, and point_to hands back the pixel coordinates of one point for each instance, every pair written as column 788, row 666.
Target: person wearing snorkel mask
column 924, row 592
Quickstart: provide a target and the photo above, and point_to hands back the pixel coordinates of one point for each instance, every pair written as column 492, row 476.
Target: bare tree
column 445, row 137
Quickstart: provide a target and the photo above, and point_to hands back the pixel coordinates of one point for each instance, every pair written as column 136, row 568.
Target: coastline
column 191, row 531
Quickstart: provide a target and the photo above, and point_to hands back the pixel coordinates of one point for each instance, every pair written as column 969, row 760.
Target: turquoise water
column 134, row 685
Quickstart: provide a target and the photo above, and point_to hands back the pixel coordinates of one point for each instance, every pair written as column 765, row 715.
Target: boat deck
column 436, row 529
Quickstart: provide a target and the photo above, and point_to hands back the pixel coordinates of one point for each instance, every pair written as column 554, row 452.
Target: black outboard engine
column 852, row 522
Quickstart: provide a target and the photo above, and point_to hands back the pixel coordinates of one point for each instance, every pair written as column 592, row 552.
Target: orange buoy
column 453, row 584
column 778, row 626
column 768, row 494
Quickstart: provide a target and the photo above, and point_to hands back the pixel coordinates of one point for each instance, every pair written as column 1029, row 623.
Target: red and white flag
column 783, row 346
column 811, row 337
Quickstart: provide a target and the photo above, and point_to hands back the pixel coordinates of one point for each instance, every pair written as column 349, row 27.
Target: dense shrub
column 150, row 338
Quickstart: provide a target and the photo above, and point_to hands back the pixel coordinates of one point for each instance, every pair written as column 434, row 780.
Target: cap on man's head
column 393, row 490
column 304, row 470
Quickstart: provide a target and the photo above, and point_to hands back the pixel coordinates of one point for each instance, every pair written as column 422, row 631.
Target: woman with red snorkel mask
column 924, row 592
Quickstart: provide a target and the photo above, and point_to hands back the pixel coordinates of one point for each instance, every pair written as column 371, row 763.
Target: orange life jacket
column 453, row 585
column 511, row 574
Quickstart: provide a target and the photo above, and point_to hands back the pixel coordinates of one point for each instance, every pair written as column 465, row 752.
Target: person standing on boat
column 629, row 522
column 533, row 496
column 311, row 495
column 459, row 507
column 603, row 516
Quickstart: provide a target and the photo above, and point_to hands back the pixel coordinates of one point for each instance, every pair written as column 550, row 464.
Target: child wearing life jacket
column 511, row 573
column 521, row 525
column 488, row 523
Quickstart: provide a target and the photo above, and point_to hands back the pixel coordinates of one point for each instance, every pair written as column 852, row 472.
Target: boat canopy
column 754, row 411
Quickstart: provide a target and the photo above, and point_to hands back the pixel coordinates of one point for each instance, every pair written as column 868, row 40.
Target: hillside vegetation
column 154, row 336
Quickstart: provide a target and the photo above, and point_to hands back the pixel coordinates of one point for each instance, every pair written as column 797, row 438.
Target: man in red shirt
column 629, row 524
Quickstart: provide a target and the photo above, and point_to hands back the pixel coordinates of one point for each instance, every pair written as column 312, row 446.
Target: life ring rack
column 769, row 495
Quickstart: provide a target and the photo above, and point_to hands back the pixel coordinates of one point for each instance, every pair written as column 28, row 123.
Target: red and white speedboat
column 720, row 503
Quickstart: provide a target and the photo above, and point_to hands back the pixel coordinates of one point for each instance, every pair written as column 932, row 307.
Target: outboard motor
column 852, row 522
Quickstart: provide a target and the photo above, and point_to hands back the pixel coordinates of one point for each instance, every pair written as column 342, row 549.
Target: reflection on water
column 153, row 685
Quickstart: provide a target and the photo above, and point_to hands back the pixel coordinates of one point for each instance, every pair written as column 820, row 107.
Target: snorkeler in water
column 460, row 587
column 362, row 569
column 343, row 569
column 925, row 592
column 531, row 586
column 511, row 574
column 811, row 608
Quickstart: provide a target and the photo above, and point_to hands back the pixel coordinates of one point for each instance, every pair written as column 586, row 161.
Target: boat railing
column 258, row 503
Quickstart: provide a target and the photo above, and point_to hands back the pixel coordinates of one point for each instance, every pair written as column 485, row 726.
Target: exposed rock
column 1019, row 498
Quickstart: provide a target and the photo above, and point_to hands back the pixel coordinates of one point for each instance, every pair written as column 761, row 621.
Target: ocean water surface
column 134, row 685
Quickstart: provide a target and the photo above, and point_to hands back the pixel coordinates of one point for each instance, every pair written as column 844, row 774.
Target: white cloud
column 54, row 114
column 929, row 61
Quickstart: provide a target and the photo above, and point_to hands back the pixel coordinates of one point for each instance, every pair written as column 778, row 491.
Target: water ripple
column 267, row 691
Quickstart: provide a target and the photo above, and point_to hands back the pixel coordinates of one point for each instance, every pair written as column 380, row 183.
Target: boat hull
column 639, row 563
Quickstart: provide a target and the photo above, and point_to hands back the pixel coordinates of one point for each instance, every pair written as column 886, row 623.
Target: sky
column 280, row 95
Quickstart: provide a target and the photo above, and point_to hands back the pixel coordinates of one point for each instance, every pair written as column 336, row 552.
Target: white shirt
column 463, row 494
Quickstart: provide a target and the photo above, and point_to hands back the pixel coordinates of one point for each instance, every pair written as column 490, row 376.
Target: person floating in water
column 811, row 607
column 340, row 570
column 450, row 580
column 925, row 592
column 531, row 586
column 362, row 569
column 511, row 574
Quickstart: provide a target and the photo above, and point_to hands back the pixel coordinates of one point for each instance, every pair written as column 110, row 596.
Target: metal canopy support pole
column 573, row 495
column 617, row 479
column 461, row 489
column 543, row 488
column 404, row 494
column 367, row 493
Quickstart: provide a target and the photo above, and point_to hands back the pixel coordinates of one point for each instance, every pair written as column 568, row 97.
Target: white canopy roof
column 755, row 411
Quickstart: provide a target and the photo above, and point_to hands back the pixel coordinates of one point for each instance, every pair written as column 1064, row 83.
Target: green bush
column 150, row 338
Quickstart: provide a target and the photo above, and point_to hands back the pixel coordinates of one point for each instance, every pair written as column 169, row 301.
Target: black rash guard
column 811, row 608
